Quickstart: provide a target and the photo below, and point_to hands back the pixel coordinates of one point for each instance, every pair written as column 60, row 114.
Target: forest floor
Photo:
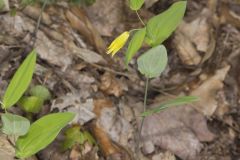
column 71, row 42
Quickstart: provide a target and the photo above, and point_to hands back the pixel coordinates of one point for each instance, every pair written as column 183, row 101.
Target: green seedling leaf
column 42, row 133
column 88, row 137
column 73, row 136
column 153, row 62
column 136, row 4
column 175, row 102
column 160, row 27
column 14, row 125
column 20, row 81
column 135, row 44
column 41, row 92
column 31, row 104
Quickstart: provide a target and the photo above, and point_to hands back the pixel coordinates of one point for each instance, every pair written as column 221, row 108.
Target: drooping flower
column 118, row 43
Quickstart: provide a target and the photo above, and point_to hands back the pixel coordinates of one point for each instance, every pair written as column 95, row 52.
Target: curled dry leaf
column 79, row 21
column 177, row 129
column 194, row 38
column 35, row 11
column 111, row 85
column 207, row 103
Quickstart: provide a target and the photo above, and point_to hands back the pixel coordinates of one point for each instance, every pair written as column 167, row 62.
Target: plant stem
column 140, row 18
column 144, row 107
column 38, row 22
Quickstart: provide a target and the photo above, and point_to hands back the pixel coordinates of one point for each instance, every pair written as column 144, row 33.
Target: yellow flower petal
column 118, row 43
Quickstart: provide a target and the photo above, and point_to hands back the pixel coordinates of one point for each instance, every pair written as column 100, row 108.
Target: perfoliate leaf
column 41, row 92
column 160, row 27
column 136, row 4
column 174, row 102
column 42, row 133
column 14, row 125
column 20, row 81
column 31, row 104
column 135, row 44
column 153, row 62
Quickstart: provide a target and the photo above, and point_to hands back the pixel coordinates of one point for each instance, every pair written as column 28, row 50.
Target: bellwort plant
column 153, row 62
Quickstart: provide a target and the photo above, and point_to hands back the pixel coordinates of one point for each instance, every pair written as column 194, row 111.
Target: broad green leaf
column 153, row 62
column 42, row 133
column 20, row 81
column 174, row 102
column 31, row 104
column 135, row 44
column 136, row 4
column 160, row 27
column 41, row 92
column 14, row 125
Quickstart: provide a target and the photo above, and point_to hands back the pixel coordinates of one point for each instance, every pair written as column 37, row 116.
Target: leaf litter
column 108, row 104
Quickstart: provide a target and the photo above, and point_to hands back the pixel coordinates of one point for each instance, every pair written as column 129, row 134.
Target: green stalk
column 144, row 108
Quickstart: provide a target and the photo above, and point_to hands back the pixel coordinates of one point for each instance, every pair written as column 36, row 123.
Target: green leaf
column 73, row 136
column 136, row 4
column 174, row 102
column 160, row 27
column 31, row 104
column 41, row 92
column 14, row 125
column 153, row 62
column 20, row 81
column 88, row 137
column 42, row 133
column 135, row 44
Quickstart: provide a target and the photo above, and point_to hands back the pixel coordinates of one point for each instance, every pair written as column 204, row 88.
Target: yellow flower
column 118, row 43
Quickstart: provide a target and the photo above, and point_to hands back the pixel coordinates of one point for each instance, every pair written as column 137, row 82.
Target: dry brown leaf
column 106, row 15
column 230, row 13
column 207, row 92
column 35, row 11
column 177, row 129
column 194, row 38
column 111, row 85
column 73, row 103
column 7, row 151
column 79, row 21
column 110, row 129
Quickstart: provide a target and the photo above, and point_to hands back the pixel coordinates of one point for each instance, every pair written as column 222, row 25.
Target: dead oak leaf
column 178, row 129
